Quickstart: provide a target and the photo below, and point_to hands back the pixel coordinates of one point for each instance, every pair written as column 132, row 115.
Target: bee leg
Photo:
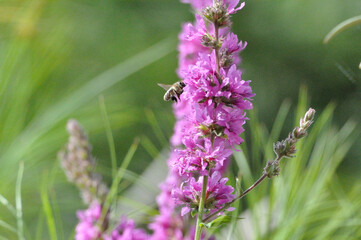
column 174, row 99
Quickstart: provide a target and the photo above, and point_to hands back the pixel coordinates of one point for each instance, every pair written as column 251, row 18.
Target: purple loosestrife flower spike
column 210, row 115
column 79, row 165
column 213, row 107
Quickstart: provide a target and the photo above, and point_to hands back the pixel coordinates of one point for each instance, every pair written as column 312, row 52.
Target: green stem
column 263, row 177
column 201, row 208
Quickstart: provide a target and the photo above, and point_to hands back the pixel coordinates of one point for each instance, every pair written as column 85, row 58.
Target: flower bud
column 226, row 59
column 307, row 119
column 208, row 41
column 217, row 14
column 310, row 114
column 272, row 169
column 279, row 148
column 298, row 133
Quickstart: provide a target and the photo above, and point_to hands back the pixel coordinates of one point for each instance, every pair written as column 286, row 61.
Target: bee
column 174, row 91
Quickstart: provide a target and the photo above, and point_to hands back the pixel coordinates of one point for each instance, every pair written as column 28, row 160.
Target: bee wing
column 165, row 86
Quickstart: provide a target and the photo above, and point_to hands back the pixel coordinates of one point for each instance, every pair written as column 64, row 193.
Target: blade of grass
column 302, row 104
column 114, row 188
column 7, row 226
column 54, row 201
column 6, row 203
column 47, row 208
column 72, row 235
column 156, row 128
column 62, row 109
column 243, row 165
column 277, row 127
column 236, row 212
column 39, row 228
column 18, row 203
column 108, row 131
column 258, row 140
column 131, row 177
column 140, row 207
column 155, row 173
column 149, row 146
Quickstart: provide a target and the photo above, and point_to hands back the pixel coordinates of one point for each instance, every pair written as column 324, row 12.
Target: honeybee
column 174, row 91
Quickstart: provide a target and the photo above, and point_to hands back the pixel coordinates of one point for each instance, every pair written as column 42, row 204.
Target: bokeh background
column 58, row 57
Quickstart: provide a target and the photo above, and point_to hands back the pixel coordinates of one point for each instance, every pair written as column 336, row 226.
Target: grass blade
column 108, row 131
column 39, row 228
column 47, row 208
column 18, row 203
column 6, row 203
column 277, row 127
column 7, row 226
column 62, row 109
column 114, row 188
column 149, row 146
column 156, row 128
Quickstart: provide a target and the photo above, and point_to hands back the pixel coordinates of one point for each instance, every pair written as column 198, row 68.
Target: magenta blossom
column 198, row 159
column 126, row 231
column 86, row 228
column 217, row 194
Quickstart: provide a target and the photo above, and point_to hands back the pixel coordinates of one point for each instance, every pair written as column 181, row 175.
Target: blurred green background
column 58, row 57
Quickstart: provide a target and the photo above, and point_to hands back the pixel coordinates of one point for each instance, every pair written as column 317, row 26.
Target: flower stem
column 237, row 198
column 201, row 208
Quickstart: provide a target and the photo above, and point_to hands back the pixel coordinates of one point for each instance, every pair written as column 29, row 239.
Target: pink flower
column 86, row 228
column 126, row 231
column 167, row 225
column 217, row 194
column 232, row 4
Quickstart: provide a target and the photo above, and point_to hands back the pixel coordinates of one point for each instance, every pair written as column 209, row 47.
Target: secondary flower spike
column 79, row 164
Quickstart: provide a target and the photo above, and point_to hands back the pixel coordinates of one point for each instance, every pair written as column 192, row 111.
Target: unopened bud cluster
column 287, row 148
column 217, row 13
column 209, row 41
column 78, row 165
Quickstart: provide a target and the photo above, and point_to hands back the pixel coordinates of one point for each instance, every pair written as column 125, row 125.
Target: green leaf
column 218, row 222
